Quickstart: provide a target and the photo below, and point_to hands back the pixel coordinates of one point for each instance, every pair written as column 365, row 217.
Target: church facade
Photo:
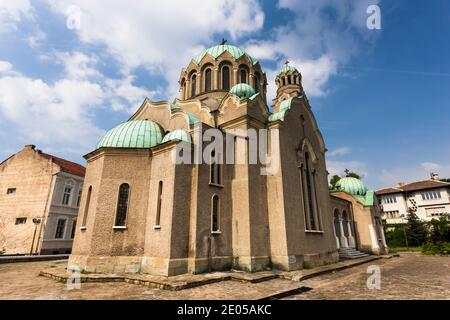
column 142, row 212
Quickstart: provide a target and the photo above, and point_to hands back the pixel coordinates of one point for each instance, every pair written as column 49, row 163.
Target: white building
column 428, row 199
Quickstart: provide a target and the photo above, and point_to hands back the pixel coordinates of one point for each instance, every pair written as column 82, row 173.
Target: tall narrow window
column 226, row 78
column 86, row 207
column 60, row 228
column 215, row 174
column 256, row 84
column 283, row 80
column 122, row 205
column 215, row 215
column 309, row 193
column 74, row 226
column 158, row 208
column 289, row 80
column 208, row 80
column 243, row 76
column 193, row 85
column 67, row 194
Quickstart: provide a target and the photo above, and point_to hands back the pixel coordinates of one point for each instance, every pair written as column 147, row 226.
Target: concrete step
column 351, row 253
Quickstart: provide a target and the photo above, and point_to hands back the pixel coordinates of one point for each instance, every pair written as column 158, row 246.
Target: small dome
column 133, row 134
column 287, row 69
column 243, row 90
column 351, row 185
column 216, row 51
column 177, row 134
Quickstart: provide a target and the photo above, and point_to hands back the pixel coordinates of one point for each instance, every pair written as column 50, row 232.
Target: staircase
column 351, row 253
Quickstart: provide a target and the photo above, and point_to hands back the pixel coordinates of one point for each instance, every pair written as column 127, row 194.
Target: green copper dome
column 133, row 134
column 351, row 185
column 216, row 51
column 287, row 69
column 177, row 134
column 243, row 90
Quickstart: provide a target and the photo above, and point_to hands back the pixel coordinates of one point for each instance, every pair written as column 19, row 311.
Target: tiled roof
column 415, row 186
column 66, row 166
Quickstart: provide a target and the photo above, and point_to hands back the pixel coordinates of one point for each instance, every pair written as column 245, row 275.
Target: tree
column 353, row 175
column 439, row 230
column 415, row 230
column 445, row 180
column 334, row 180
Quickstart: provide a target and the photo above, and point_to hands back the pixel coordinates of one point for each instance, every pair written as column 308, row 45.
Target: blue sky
column 70, row 70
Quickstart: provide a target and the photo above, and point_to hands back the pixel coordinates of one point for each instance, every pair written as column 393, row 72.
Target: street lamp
column 36, row 221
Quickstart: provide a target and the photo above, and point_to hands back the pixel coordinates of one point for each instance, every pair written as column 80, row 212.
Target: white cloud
column 339, row 151
column 62, row 114
column 5, row 66
column 12, row 12
column 162, row 37
column 323, row 35
column 415, row 172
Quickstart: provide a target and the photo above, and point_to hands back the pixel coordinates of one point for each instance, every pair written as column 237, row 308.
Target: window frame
column 215, row 231
column 124, row 226
column 63, row 229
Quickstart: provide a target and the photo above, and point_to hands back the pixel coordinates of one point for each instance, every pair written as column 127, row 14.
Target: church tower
column 289, row 84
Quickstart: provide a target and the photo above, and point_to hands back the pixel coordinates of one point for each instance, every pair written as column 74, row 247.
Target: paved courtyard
column 410, row 276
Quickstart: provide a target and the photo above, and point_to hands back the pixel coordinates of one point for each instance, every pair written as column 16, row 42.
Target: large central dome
column 216, row 51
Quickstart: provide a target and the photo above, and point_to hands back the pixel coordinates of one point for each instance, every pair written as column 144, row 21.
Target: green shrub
column 439, row 248
column 307, row 265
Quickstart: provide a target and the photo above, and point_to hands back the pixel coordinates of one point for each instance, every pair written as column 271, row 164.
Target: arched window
column 193, row 85
column 208, row 80
column 215, row 214
column 256, row 84
column 289, row 80
column 309, row 193
column 243, row 75
column 283, row 81
column 226, row 78
column 122, row 205
column 158, row 208
column 215, row 174
column 86, row 207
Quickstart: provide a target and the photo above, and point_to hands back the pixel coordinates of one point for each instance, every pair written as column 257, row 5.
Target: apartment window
column 389, row 199
column 11, row 191
column 60, row 228
column 21, row 220
column 79, row 197
column 215, row 215
column 74, row 225
column 122, row 205
column 67, row 194
column 431, row 195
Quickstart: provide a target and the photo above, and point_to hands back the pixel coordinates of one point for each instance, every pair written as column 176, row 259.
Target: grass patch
column 399, row 249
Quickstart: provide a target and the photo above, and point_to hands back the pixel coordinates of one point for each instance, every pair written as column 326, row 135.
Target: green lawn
column 398, row 249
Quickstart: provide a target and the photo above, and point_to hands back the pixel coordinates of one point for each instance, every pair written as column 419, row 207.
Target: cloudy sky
column 70, row 70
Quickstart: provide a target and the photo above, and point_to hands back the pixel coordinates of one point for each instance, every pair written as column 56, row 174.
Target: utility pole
column 36, row 221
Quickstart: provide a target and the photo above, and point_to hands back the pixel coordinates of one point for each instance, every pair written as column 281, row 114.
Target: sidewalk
column 185, row 281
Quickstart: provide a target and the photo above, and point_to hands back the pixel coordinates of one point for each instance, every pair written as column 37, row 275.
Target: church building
column 142, row 212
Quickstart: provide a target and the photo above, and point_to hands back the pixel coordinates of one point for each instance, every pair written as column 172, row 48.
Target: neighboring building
column 429, row 199
column 39, row 199
column 357, row 218
column 141, row 212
